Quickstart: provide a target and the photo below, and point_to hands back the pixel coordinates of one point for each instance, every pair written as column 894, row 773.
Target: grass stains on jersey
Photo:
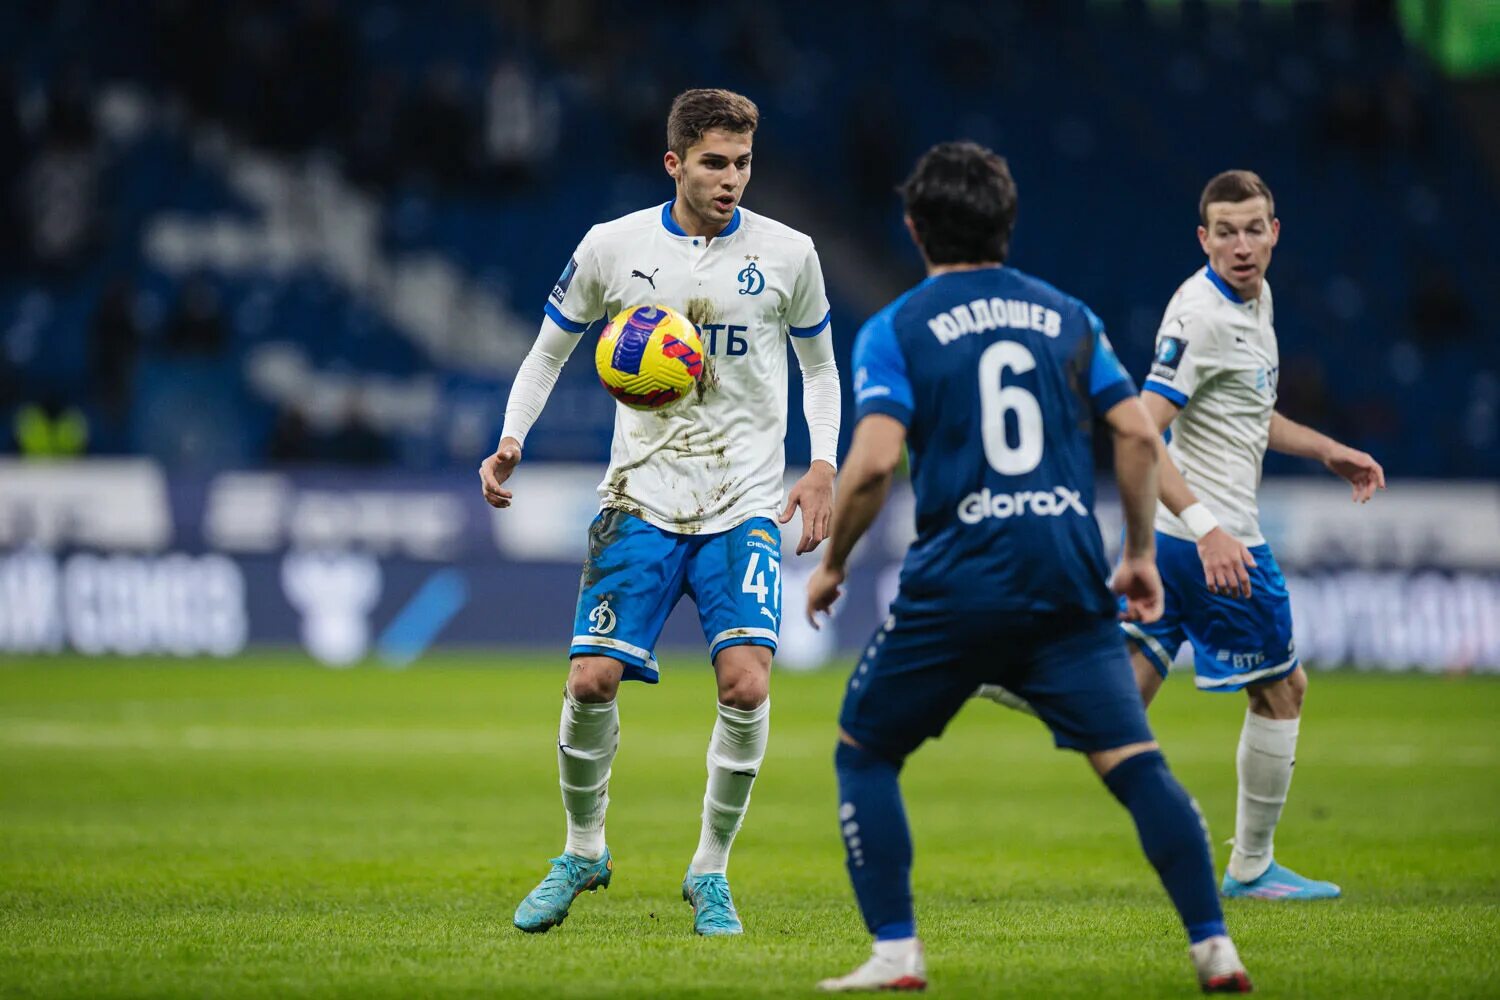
column 701, row 312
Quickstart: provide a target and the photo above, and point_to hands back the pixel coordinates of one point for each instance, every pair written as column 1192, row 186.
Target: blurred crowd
column 463, row 123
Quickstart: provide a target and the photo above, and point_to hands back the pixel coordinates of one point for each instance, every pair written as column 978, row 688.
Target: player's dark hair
column 962, row 203
column 694, row 112
column 1234, row 186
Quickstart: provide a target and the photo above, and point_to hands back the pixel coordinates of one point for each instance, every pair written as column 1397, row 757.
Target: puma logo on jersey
column 650, row 279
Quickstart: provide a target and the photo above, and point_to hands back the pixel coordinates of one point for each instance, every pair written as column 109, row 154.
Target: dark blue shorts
column 919, row 669
column 1236, row 642
column 636, row 573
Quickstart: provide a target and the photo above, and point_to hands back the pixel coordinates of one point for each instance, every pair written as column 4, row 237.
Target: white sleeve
column 578, row 297
column 1187, row 357
column 821, row 402
column 807, row 310
column 535, row 379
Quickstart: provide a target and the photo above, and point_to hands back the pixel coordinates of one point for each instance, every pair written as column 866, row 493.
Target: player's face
column 711, row 178
column 1238, row 239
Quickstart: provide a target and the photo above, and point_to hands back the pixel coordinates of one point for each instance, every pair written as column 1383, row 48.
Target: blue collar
column 1223, row 286
column 671, row 226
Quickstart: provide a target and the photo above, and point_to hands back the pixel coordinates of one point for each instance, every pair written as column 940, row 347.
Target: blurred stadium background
column 267, row 269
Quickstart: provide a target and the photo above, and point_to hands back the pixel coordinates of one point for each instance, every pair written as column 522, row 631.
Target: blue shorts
column 636, row 573
column 1235, row 641
column 920, row 668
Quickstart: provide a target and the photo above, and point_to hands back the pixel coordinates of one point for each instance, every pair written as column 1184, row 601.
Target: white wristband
column 1199, row 520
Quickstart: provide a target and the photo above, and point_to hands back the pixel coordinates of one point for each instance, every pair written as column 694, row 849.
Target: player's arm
column 863, row 486
column 1136, row 460
column 528, row 395
column 1361, row 471
column 807, row 319
column 883, row 404
column 1113, row 399
column 576, row 300
column 821, row 404
column 1186, row 358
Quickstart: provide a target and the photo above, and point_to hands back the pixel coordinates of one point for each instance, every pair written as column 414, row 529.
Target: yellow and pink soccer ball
column 649, row 357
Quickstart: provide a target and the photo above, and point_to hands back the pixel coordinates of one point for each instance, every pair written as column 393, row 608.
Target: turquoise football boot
column 713, row 909
column 1279, row 882
column 546, row 906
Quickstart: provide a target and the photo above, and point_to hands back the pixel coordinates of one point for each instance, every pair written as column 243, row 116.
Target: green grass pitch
column 268, row 828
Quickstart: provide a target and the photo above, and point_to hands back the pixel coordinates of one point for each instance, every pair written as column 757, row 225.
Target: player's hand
column 1138, row 582
column 1363, row 473
column 495, row 470
column 1225, row 559
column 823, row 588
column 814, row 494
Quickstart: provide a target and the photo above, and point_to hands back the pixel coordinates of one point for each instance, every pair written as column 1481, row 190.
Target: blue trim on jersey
column 880, row 370
column 1109, row 382
column 1177, row 396
column 1223, row 286
column 670, row 223
column 889, row 407
column 810, row 331
column 671, row 226
column 1112, row 395
column 556, row 315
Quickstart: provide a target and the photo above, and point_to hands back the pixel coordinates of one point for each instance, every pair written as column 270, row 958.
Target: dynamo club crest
column 752, row 278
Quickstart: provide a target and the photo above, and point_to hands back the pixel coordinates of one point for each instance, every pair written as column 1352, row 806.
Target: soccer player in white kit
column 693, row 498
column 1213, row 381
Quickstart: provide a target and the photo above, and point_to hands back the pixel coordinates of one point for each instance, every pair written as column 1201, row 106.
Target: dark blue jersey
column 999, row 379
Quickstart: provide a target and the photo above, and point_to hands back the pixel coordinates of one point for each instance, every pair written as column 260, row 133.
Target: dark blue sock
column 1174, row 837
column 876, row 841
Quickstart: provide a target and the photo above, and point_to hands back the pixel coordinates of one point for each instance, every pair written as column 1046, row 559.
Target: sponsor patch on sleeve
column 1169, row 352
column 560, row 290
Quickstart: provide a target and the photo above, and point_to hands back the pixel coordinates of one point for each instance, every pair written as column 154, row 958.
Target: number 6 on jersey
column 996, row 401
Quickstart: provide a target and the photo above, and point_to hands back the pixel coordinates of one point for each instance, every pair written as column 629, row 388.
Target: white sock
column 735, row 751
column 897, row 948
column 1268, row 749
column 587, row 740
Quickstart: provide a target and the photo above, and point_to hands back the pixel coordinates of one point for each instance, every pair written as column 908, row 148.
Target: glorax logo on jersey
column 1054, row 503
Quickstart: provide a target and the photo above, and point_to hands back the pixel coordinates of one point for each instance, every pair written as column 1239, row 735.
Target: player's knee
column 744, row 676
column 849, row 757
column 594, row 679
column 745, row 691
column 1282, row 698
column 1105, row 761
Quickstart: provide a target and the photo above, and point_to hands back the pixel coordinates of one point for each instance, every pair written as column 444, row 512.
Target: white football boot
column 880, row 973
column 1219, row 967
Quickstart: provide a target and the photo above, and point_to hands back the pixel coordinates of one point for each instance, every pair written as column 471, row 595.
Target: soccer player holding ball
column 693, row 500
column 996, row 383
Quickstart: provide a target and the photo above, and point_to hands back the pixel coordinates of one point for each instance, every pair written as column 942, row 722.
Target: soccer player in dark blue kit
column 995, row 382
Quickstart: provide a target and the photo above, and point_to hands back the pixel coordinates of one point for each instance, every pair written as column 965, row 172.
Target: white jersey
column 717, row 460
column 1216, row 358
